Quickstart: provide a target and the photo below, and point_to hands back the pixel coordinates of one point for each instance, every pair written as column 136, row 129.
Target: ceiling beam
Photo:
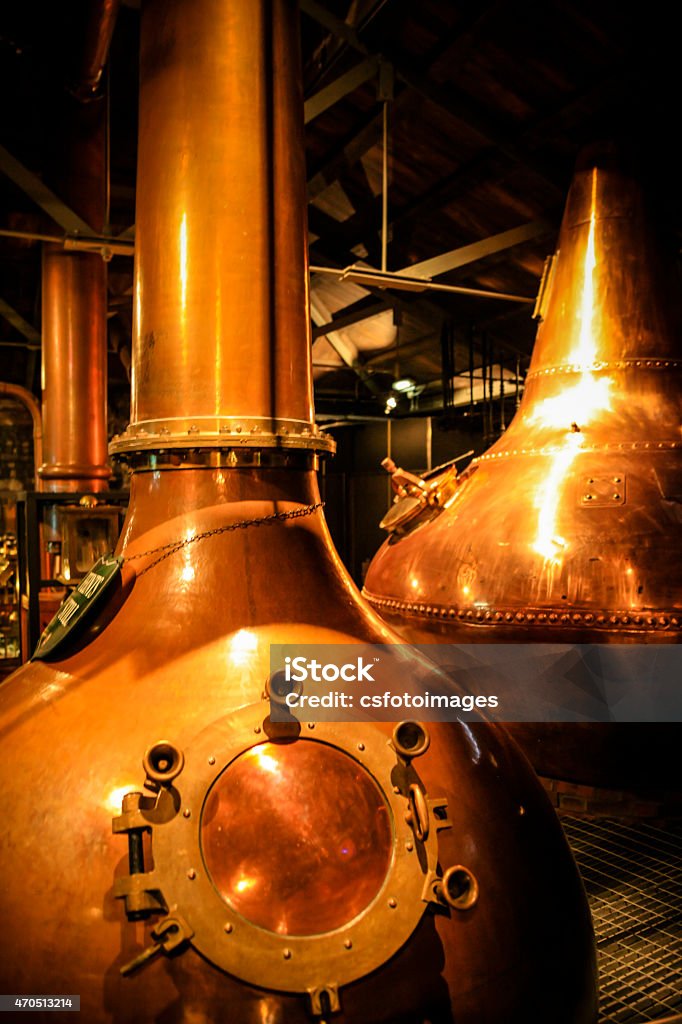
column 41, row 195
column 342, row 86
column 23, row 326
column 466, row 254
column 365, row 309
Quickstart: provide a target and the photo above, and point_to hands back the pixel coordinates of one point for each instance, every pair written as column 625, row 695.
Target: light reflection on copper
column 296, row 837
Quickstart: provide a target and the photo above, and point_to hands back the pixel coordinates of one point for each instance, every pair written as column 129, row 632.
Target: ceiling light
column 404, row 384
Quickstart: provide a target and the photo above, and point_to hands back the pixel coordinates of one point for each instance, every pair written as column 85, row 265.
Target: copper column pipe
column 28, row 400
column 221, row 329
column 74, row 369
column 99, row 32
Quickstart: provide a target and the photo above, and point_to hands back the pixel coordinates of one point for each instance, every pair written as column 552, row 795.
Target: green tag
column 88, row 594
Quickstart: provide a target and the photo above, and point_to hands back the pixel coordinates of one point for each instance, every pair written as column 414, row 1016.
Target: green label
column 88, row 594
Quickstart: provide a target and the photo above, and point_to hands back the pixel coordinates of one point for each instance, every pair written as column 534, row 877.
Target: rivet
column 311, row 725
column 393, row 903
column 191, row 874
column 396, row 789
column 409, row 847
column 348, row 944
column 287, row 954
column 186, row 813
column 361, row 746
column 616, row 496
column 228, row 927
column 256, row 728
column 211, row 760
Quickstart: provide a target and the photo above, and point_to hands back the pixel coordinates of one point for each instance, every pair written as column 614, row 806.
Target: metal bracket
column 168, row 935
column 603, row 491
column 324, row 1000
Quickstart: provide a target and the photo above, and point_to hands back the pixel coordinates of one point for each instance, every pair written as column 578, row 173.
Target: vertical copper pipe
column 221, row 329
column 28, row 400
column 74, row 370
column 99, row 31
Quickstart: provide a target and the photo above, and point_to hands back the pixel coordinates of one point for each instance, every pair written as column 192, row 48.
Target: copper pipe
column 221, row 328
column 99, row 32
column 74, row 372
column 28, row 400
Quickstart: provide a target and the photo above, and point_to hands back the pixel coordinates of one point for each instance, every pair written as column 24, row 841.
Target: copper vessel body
column 180, row 651
column 568, row 528
column 74, row 315
column 186, row 644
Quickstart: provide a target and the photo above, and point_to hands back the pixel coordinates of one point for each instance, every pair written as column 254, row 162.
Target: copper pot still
column 174, row 857
column 568, row 529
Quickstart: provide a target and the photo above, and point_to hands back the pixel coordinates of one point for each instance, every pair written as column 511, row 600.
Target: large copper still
column 289, row 879
column 568, row 528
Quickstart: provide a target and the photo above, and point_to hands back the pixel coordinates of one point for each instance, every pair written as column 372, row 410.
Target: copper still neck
column 221, row 348
column 74, row 320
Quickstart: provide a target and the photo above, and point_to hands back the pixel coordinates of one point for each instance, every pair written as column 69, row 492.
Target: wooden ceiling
column 491, row 101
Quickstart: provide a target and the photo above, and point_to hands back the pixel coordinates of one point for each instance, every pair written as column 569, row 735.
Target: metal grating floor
column 633, row 877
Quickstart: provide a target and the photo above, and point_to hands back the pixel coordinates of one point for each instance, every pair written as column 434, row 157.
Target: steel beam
column 476, row 251
column 38, row 191
column 341, row 87
column 17, row 321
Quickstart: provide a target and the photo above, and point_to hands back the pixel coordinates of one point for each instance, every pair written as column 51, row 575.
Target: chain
column 243, row 524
